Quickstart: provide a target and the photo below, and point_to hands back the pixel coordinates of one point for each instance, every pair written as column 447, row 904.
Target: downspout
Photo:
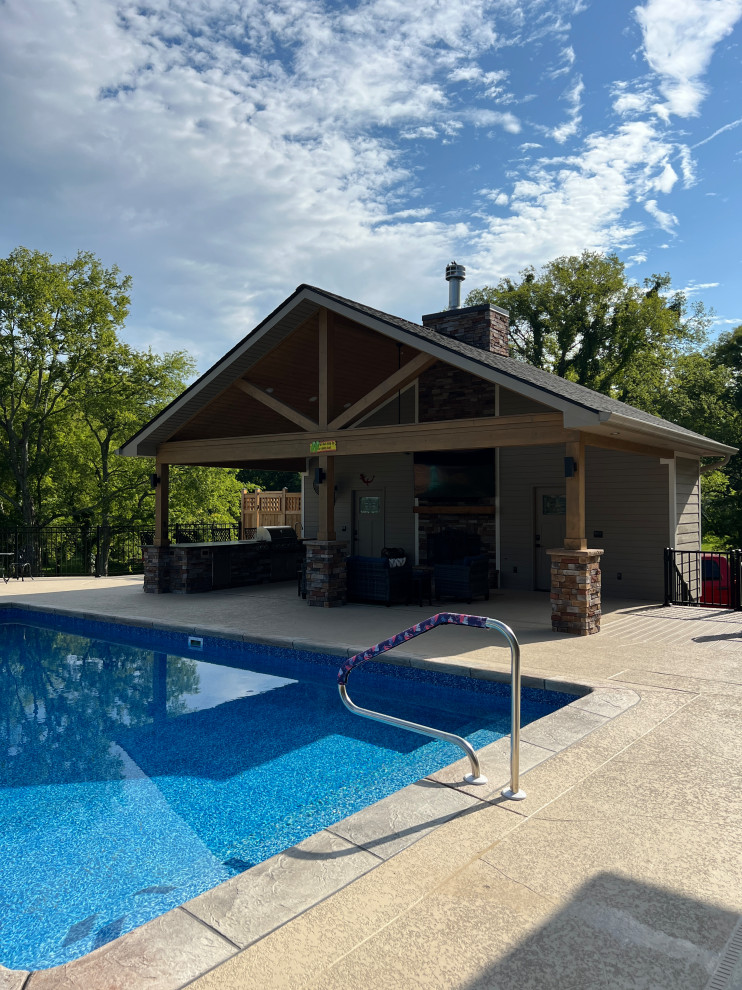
column 717, row 464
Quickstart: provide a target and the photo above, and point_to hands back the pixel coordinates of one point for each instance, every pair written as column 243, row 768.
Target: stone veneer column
column 157, row 569
column 575, row 591
column 327, row 575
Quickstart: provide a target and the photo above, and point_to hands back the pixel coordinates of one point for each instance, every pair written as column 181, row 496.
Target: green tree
column 580, row 317
column 203, row 494
column 57, row 319
column 722, row 502
column 124, row 390
column 269, row 481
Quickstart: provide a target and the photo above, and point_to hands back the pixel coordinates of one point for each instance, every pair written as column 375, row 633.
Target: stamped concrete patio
column 621, row 869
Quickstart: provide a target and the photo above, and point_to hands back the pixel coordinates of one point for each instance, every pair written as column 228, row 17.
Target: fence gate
column 703, row 577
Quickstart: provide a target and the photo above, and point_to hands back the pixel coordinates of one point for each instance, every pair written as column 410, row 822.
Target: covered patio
column 358, row 401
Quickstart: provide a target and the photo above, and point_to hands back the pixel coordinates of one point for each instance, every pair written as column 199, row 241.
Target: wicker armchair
column 371, row 579
column 464, row 580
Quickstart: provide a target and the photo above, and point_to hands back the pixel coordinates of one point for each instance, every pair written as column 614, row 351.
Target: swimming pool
column 136, row 774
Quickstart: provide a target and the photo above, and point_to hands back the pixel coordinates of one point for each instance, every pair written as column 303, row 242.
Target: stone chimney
column 484, row 326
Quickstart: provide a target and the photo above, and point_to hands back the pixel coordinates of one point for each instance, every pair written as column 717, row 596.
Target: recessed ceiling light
column 346, row 406
column 269, row 390
column 313, row 398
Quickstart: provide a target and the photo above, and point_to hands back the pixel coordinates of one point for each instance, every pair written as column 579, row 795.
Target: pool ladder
column 512, row 792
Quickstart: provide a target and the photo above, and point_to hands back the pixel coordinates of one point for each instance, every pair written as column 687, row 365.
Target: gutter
column 705, row 446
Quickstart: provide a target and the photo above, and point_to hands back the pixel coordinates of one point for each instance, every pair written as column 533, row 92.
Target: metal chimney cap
column 455, row 271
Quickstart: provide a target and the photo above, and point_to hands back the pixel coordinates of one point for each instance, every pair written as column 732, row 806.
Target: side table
column 421, row 585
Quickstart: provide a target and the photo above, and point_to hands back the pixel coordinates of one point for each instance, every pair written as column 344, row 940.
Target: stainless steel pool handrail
column 475, row 777
column 512, row 792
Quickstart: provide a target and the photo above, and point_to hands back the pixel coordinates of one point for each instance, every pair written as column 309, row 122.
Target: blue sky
column 224, row 151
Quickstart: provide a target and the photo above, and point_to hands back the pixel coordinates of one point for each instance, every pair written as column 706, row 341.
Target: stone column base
column 157, row 570
column 327, row 576
column 575, row 591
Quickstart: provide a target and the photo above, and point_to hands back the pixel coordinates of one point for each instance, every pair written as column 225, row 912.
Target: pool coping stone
column 235, row 914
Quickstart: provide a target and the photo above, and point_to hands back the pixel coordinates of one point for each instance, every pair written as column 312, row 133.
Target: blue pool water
column 136, row 774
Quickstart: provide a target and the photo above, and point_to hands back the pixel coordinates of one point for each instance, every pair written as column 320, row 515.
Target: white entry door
column 368, row 522
column 551, row 529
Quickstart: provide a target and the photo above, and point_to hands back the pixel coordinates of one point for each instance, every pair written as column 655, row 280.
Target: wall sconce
column 570, row 467
column 319, row 477
column 154, row 481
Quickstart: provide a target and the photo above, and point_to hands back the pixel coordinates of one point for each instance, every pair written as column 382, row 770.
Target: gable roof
column 581, row 406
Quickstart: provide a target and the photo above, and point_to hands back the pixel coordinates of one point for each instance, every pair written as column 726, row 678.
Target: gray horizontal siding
column 522, row 470
column 627, row 501
column 393, row 474
column 687, row 504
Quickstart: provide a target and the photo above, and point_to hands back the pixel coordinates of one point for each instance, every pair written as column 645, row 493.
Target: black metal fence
column 69, row 551
column 704, row 577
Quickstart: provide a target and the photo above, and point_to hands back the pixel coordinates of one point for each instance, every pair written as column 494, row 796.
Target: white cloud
column 497, row 196
column 567, row 59
column 481, row 117
column 567, row 205
column 223, row 151
column 637, row 259
column 419, row 132
column 679, row 40
column 693, row 288
column 687, row 166
column 573, row 98
column 665, row 180
column 630, row 99
column 665, row 220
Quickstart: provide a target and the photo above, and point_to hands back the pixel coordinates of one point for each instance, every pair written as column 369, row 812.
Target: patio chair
column 373, row 579
column 464, row 580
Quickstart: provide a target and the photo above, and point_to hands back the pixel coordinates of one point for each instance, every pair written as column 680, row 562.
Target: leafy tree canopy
column 71, row 392
column 56, row 319
column 581, row 318
column 270, row 481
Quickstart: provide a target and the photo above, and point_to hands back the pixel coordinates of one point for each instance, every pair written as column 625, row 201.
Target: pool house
column 416, row 436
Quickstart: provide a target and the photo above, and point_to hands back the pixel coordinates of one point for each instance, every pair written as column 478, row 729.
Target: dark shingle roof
column 519, row 371
column 551, row 386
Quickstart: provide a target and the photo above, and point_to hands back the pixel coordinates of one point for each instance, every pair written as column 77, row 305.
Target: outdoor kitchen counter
column 198, row 567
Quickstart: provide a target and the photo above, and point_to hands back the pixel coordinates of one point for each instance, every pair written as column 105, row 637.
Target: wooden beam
column 531, row 429
column 276, row 405
column 162, row 504
column 628, row 446
column 324, row 369
column 326, row 526
column 575, row 538
column 394, row 383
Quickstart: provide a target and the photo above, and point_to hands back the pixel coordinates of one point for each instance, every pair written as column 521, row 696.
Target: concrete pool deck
column 621, row 868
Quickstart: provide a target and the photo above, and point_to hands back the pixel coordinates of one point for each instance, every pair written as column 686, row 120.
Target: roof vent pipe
column 455, row 275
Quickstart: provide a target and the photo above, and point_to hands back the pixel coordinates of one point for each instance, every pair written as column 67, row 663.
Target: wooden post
column 325, row 369
column 283, row 507
column 162, row 504
column 575, row 488
column 326, row 528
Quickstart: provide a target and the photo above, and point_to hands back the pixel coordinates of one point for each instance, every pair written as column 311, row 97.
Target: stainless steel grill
column 277, row 535
column 285, row 550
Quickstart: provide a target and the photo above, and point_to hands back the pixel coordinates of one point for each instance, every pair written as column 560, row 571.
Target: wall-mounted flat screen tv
column 455, row 474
